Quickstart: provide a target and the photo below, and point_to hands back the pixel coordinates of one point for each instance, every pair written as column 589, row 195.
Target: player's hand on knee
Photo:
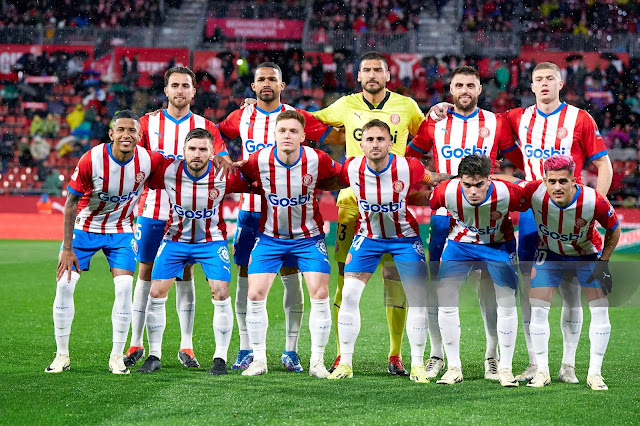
column 602, row 273
column 67, row 260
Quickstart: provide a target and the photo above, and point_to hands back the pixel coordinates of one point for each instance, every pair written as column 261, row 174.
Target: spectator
column 24, row 152
column 52, row 184
column 75, row 117
column 50, row 127
column 6, row 152
column 35, row 128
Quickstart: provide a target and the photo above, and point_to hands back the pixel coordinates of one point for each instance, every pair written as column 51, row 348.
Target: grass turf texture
column 89, row 394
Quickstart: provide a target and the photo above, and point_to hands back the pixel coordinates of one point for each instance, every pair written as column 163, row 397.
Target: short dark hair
column 374, row 56
column 376, row 123
column 475, row 165
column 270, row 65
column 179, row 70
column 198, row 133
column 125, row 113
column 466, row 70
column 291, row 114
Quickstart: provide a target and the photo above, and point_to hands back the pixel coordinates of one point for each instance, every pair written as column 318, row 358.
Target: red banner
column 10, row 53
column 591, row 59
column 264, row 29
column 151, row 61
column 207, row 60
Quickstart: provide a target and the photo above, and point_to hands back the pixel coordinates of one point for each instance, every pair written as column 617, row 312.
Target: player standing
column 403, row 116
column 381, row 182
column 255, row 124
column 99, row 216
column 291, row 225
column 467, row 130
column 569, row 244
column 197, row 234
column 481, row 237
column 552, row 127
column 165, row 133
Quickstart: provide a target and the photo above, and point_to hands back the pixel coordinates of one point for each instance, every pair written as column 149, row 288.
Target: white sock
column 293, row 304
column 435, row 338
column 417, row 333
column 319, row 327
column 156, row 323
column 121, row 312
column 525, row 311
column 570, row 320
column 139, row 311
column 241, row 312
column 507, row 325
column 222, row 326
column 599, row 333
column 449, row 320
column 349, row 318
column 257, row 325
column 63, row 311
column 489, row 311
column 186, row 308
column 539, row 329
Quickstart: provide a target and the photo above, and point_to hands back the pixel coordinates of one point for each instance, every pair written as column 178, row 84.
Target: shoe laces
column 493, row 367
column 431, row 364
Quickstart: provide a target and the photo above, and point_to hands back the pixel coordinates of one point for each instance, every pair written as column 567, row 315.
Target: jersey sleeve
column 332, row 115
column 236, row 182
column 590, row 138
column 437, row 200
column 219, row 148
column 416, row 117
column 327, row 166
column 250, row 169
column 516, row 197
column 422, row 143
column 605, row 214
column 506, row 142
column 159, row 166
column 513, row 117
column 314, row 129
column 144, row 132
column 343, row 178
column 417, row 171
column 230, row 126
column 82, row 180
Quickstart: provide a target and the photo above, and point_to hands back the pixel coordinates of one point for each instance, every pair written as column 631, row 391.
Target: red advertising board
column 151, row 61
column 10, row 53
column 263, row 29
column 591, row 59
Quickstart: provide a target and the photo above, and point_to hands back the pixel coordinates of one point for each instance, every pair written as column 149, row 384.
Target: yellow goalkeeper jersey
column 401, row 113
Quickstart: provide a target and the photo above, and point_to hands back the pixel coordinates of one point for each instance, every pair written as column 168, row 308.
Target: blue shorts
column 408, row 255
column 549, row 269
column 268, row 254
column 438, row 232
column 149, row 233
column 173, row 256
column 117, row 247
column 527, row 238
column 459, row 259
column 245, row 238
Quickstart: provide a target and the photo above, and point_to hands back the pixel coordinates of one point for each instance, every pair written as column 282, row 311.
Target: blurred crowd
column 381, row 16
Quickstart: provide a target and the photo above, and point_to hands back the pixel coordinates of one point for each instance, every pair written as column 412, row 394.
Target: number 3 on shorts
column 357, row 242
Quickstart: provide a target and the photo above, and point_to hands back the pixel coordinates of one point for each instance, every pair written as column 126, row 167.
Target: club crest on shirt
column 213, row 193
column 307, row 179
column 223, row 254
column 398, row 186
column 562, row 132
column 580, row 222
column 140, row 177
column 395, row 119
column 484, row 132
column 495, row 215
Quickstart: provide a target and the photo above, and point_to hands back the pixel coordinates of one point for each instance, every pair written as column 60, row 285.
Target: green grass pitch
column 89, row 394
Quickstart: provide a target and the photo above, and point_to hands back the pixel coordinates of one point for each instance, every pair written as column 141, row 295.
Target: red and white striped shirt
column 289, row 204
column 485, row 223
column 196, row 213
column 567, row 130
column 257, row 129
column 164, row 134
column 382, row 196
column 570, row 230
column 452, row 139
column 109, row 189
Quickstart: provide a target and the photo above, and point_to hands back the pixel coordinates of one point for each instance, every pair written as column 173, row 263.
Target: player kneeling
column 197, row 234
column 482, row 235
column 570, row 245
column 288, row 177
column 381, row 182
